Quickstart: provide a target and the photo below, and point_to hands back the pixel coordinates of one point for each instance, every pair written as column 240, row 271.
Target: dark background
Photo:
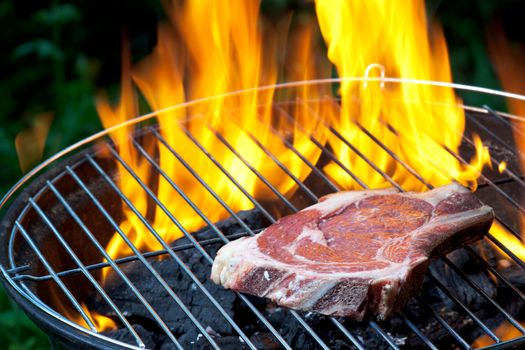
column 56, row 55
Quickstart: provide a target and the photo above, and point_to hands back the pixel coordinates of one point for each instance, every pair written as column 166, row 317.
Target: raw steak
column 355, row 254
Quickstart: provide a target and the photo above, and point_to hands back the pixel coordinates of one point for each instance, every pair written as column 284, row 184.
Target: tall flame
column 210, row 49
column 110, row 116
column 360, row 33
column 225, row 53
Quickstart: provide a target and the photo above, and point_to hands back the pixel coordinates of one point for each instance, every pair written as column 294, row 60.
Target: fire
column 113, row 116
column 211, row 49
column 224, row 55
column 502, row 166
column 102, row 323
column 512, row 243
column 398, row 41
column 504, row 331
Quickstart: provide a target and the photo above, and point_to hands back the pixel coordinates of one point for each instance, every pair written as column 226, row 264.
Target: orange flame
column 112, row 116
column 504, row 331
column 102, row 323
column 229, row 48
column 30, row 143
column 508, row 63
column 225, row 54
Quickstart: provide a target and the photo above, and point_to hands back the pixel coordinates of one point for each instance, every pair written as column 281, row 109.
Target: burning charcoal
column 341, row 345
column 433, row 330
column 399, row 341
column 429, row 326
column 486, row 250
column 295, row 334
column 169, row 311
column 288, row 326
column 149, row 338
column 458, row 285
column 212, row 332
column 509, row 299
column 197, row 302
column 514, row 274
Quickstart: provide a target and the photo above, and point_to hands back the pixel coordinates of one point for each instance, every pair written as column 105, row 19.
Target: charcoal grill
column 62, row 214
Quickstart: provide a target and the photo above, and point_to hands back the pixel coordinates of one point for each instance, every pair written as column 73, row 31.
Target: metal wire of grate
column 20, row 277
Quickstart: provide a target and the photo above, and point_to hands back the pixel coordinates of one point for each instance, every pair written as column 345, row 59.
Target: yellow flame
column 113, row 115
column 359, row 33
column 102, row 323
column 502, row 166
column 511, row 242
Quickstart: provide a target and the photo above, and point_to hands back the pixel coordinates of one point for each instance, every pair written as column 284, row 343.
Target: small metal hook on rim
column 367, row 73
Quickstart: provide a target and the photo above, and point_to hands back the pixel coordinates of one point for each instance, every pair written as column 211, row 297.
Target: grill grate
column 21, row 275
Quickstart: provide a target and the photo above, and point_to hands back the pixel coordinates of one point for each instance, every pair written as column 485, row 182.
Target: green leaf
column 58, row 15
column 43, row 48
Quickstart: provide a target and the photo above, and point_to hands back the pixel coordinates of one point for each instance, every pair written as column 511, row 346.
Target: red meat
column 354, row 254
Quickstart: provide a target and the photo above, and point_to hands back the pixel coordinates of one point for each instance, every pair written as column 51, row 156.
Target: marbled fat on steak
column 355, row 254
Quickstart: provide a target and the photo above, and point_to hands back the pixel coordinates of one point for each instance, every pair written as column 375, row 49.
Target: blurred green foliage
column 17, row 332
column 56, row 54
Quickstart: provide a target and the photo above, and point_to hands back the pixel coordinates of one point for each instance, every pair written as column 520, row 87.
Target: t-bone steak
column 356, row 254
